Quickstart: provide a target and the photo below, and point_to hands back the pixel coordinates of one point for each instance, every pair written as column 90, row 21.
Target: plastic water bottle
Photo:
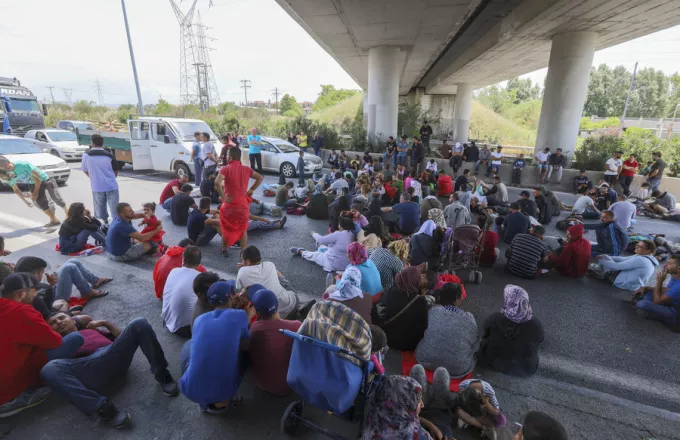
column 91, row 251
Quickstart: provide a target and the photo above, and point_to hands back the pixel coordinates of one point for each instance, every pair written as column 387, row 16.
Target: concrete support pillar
column 571, row 58
column 461, row 115
column 365, row 109
column 383, row 92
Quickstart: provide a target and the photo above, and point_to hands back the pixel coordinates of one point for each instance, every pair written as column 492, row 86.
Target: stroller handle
column 324, row 345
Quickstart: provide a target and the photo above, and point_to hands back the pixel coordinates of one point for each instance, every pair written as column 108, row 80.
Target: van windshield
column 187, row 130
column 24, row 105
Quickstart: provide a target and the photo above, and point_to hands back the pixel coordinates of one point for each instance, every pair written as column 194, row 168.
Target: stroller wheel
column 475, row 277
column 290, row 420
column 479, row 277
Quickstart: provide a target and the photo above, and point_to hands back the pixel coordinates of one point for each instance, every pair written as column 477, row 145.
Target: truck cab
column 21, row 106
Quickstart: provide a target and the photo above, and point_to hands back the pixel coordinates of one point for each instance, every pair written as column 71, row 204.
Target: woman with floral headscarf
column 370, row 277
column 512, row 337
column 425, row 245
column 395, row 411
column 402, row 310
column 348, row 292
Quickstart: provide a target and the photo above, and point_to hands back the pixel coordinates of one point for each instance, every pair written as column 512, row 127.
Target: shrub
column 595, row 151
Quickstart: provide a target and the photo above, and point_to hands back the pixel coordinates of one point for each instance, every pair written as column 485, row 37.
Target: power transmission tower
column 51, row 93
column 100, row 95
column 68, row 93
column 197, row 81
column 245, row 86
column 276, row 96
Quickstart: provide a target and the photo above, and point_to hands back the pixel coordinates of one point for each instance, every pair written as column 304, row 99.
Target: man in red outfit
column 572, row 259
column 172, row 259
column 231, row 183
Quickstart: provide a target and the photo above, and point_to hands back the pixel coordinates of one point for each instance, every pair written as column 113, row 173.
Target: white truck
column 153, row 143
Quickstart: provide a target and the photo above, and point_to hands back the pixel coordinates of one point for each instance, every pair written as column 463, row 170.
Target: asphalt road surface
column 605, row 373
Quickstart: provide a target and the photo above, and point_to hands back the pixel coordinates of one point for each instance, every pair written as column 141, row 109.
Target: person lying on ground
column 181, row 202
column 171, row 189
column 121, row 233
column 77, row 228
column 479, row 407
column 612, row 239
column 332, row 252
column 511, row 337
column 628, row 273
column 661, row 303
column 105, row 356
column 527, row 253
column 178, row 294
column 540, row 426
column 270, row 349
column 624, row 212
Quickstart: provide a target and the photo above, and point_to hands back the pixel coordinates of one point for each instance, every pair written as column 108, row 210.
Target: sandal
column 51, row 224
column 106, row 280
column 97, row 294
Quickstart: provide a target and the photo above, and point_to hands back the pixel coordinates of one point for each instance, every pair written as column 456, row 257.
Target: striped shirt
column 488, row 391
column 527, row 252
column 388, row 266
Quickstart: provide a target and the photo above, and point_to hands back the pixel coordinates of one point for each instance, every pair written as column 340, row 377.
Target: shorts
column 51, row 187
column 135, row 252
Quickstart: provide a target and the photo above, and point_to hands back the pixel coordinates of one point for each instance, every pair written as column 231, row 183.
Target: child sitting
column 517, row 168
column 378, row 349
column 378, row 166
column 479, row 407
column 431, row 166
column 151, row 223
column 355, row 163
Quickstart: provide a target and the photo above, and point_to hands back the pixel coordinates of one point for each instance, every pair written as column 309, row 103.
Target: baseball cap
column 18, row 281
column 250, row 290
column 265, row 302
column 525, row 193
column 220, row 292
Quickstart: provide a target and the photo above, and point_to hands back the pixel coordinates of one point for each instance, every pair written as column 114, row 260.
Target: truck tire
column 288, row 170
column 181, row 169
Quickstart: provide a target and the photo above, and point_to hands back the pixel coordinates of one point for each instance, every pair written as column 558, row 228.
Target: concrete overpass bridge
column 437, row 52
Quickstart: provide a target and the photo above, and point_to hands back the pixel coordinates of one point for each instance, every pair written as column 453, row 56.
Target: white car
column 34, row 152
column 72, row 125
column 282, row 157
column 63, row 143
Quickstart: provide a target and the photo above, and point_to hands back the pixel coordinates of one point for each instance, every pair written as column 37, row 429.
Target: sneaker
column 296, row 250
column 212, row 409
column 283, row 221
column 167, row 383
column 225, row 253
column 25, row 400
column 113, row 416
column 642, row 313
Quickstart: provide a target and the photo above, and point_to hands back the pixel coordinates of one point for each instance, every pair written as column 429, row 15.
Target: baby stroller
column 463, row 251
column 326, row 380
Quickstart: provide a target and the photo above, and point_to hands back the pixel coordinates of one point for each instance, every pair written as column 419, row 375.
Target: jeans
column 75, row 379
column 256, row 157
column 488, row 167
column 101, row 200
column 590, row 214
column 317, row 151
column 625, row 182
column 658, row 312
column 262, row 208
column 185, row 356
column 456, row 162
column 254, row 225
column 654, row 183
column 393, row 157
column 206, row 235
column 517, row 176
column 167, row 205
column 290, row 203
column 198, row 173
column 73, row 272
column 401, row 159
column 76, row 243
column 559, row 172
column 69, row 346
column 610, row 179
column 301, row 177
column 52, row 188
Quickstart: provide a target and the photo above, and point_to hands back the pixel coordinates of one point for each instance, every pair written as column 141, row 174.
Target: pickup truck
column 153, row 143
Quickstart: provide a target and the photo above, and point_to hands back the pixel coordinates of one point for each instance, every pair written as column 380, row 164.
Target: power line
column 276, row 96
column 98, row 87
column 68, row 93
column 630, row 90
column 51, row 93
column 245, row 86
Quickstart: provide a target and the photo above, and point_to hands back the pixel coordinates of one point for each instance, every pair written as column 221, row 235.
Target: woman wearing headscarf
column 377, row 226
column 425, row 245
column 402, row 311
column 348, row 291
column 370, row 277
column 512, row 336
column 395, row 411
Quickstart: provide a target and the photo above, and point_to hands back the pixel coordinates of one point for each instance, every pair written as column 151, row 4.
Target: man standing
column 18, row 172
column 425, row 133
column 612, row 168
column 317, row 143
column 656, row 172
column 302, row 141
column 196, row 158
column 118, row 240
column 556, row 161
column 254, row 144
column 98, row 165
column 628, row 171
column 402, row 151
column 390, row 151
column 235, row 209
column 417, row 154
column 208, row 155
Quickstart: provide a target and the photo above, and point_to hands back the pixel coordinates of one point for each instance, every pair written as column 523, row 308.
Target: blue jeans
column 69, row 345
column 167, row 205
column 290, row 203
column 185, row 356
column 262, row 208
column 254, row 225
column 657, row 312
column 75, row 379
column 73, row 272
column 401, row 159
column 590, row 214
column 198, row 173
column 101, row 200
column 76, row 243
column 488, row 167
column 654, row 183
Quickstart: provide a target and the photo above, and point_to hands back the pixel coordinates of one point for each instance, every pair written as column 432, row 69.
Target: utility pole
column 675, row 113
column 276, row 95
column 630, row 90
column 51, row 93
column 245, row 86
column 68, row 93
column 132, row 59
column 98, row 86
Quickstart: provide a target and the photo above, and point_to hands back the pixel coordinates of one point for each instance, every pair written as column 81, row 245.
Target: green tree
column 329, row 96
column 524, row 90
column 288, row 106
column 162, row 108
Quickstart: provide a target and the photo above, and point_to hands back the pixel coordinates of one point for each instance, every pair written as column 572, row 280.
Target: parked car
column 72, row 125
column 36, row 153
column 63, row 143
column 281, row 156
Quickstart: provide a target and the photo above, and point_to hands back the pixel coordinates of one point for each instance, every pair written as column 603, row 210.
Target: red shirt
column 93, row 340
column 236, row 177
column 270, row 354
column 25, row 338
column 489, row 252
column 167, row 191
column 628, row 163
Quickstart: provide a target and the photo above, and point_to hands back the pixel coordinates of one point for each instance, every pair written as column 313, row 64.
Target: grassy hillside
column 490, row 126
column 338, row 113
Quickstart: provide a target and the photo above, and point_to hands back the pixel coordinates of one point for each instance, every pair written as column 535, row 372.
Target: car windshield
column 24, row 105
column 187, row 130
column 83, row 126
column 18, row 146
column 286, row 147
column 61, row 136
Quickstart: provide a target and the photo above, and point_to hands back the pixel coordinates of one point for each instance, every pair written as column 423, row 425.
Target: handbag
column 381, row 306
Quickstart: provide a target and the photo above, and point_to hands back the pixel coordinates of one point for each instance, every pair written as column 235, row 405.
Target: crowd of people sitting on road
column 388, row 258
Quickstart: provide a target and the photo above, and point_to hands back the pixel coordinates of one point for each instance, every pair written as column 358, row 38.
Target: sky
column 72, row 44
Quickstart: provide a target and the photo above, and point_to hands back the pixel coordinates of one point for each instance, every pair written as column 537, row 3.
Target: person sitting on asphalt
column 202, row 284
column 526, row 205
column 498, row 191
column 255, row 271
column 77, row 228
column 511, row 337
column 624, row 212
column 489, row 252
column 427, row 203
column 171, row 189
column 462, row 182
column 582, row 183
column 631, row 272
column 663, row 204
column 540, row 426
column 612, row 239
column 212, row 361
column 446, row 318
column 119, row 237
column 26, row 345
column 544, row 207
column 178, row 294
column 270, row 349
column 170, row 260
column 514, row 223
column 661, row 303
column 572, row 259
column 104, row 357
column 207, row 188
column 455, row 213
column 181, row 202
column 527, row 253
column 607, row 190
column 388, row 264
column 409, row 215
column 585, row 204
column 370, row 277
column 283, row 198
column 425, row 245
column 348, row 291
column 479, row 407
column 201, row 229
column 338, row 184
column 332, row 252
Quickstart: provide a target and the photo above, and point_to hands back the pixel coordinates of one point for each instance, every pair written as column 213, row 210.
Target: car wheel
column 287, row 169
column 182, row 169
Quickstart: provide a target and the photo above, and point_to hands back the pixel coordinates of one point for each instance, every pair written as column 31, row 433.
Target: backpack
column 568, row 222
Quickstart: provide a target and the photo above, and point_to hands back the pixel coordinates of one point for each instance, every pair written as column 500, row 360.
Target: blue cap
column 265, row 302
column 250, row 290
column 220, row 292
